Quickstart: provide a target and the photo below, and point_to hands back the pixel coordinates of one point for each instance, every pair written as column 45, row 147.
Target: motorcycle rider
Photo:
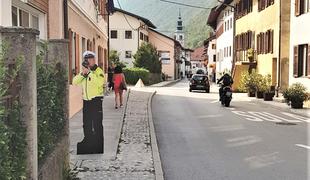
column 227, row 81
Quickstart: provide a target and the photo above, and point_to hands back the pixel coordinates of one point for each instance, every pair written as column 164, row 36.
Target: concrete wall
column 298, row 36
column 163, row 43
column 119, row 23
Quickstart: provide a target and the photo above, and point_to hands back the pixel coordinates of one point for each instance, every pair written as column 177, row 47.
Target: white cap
column 89, row 54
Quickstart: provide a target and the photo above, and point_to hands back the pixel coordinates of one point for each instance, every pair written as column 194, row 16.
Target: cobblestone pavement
column 134, row 159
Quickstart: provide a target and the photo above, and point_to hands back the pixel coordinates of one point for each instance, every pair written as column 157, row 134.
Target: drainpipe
column 108, row 33
column 66, row 33
column 279, row 56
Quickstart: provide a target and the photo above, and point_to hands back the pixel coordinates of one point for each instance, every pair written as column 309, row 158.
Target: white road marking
column 296, row 116
column 266, row 116
column 248, row 117
column 303, row 146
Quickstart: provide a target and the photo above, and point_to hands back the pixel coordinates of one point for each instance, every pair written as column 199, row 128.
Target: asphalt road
column 199, row 139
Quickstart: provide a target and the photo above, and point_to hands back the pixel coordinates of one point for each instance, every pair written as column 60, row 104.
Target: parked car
column 199, row 82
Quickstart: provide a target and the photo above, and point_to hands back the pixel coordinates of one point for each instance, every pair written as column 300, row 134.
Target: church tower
column 179, row 33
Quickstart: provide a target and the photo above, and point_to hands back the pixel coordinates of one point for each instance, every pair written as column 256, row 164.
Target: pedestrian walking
column 119, row 86
column 110, row 76
column 92, row 80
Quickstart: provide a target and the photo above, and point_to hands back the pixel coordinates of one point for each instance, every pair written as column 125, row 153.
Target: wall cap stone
column 21, row 30
column 58, row 40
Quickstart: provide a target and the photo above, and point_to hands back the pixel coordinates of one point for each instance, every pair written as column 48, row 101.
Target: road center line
column 303, row 146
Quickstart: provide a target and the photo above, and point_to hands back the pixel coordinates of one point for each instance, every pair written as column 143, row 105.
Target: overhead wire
column 183, row 4
column 134, row 29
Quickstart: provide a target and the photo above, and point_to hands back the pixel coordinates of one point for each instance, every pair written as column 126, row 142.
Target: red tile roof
column 198, row 54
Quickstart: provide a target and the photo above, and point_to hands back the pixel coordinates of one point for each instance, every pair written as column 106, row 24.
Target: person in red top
column 119, row 85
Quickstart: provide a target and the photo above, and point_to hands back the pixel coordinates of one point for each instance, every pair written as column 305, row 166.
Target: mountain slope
column 165, row 15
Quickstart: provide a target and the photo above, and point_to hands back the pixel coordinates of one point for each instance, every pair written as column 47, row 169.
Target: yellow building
column 262, row 39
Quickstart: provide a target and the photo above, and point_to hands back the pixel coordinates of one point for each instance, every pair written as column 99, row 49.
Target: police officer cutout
column 92, row 80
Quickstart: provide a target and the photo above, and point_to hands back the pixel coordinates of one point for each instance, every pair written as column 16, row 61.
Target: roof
column 215, row 12
column 198, row 54
column 146, row 21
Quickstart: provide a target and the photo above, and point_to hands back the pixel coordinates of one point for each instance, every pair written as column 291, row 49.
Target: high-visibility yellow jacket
column 93, row 84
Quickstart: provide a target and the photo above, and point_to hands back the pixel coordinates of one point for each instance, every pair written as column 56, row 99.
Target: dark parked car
column 199, row 82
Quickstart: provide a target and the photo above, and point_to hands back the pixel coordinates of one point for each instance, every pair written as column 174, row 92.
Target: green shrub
column 132, row 75
column 296, row 93
column 51, row 99
column 12, row 133
column 147, row 57
column 114, row 59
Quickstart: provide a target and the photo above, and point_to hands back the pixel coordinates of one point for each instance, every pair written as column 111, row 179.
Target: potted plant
column 260, row 85
column 250, row 55
column 268, row 93
column 295, row 95
column 247, row 84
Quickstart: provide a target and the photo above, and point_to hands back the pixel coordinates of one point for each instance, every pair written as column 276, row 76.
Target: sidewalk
column 130, row 133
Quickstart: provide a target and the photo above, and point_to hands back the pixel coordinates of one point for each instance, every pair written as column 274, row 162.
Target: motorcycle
column 226, row 96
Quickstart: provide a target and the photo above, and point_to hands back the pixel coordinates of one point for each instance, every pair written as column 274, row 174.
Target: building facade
column 300, row 43
column 221, row 19
column 262, row 39
column 30, row 14
column 210, row 49
column 198, row 60
column 127, row 32
column 166, row 49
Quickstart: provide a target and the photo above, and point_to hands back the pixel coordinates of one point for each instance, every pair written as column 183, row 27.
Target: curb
column 121, row 125
column 159, row 174
column 168, row 84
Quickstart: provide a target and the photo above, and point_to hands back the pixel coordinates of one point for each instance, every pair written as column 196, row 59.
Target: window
column 263, row 4
column 146, row 38
column 231, row 22
column 181, row 37
column 14, row 16
column 301, row 60
column 244, row 7
column 214, row 58
column 265, row 42
column 113, row 34
column 128, row 34
column 244, row 41
column 230, row 51
column 35, row 22
column 141, row 36
column 128, row 54
column 213, row 46
column 23, row 18
column 302, row 7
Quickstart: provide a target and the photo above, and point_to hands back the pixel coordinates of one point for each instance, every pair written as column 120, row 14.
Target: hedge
column 132, row 75
column 51, row 99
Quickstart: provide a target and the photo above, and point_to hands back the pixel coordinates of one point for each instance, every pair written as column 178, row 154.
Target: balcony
column 242, row 57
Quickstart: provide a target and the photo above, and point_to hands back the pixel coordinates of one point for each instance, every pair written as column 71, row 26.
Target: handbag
column 123, row 85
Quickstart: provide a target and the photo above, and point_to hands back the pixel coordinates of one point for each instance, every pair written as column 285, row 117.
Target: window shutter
column 77, row 54
column 257, row 44
column 295, row 65
column 271, row 41
column 297, row 7
column 308, row 62
column 70, row 56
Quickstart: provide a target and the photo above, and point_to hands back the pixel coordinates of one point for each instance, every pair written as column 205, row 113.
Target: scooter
column 226, row 96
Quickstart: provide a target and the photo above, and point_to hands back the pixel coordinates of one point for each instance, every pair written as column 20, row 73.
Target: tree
column 114, row 59
column 147, row 57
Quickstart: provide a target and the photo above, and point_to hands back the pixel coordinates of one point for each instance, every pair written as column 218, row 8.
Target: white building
column 198, row 60
column 30, row 14
column 300, row 43
column 221, row 20
column 210, row 45
column 127, row 32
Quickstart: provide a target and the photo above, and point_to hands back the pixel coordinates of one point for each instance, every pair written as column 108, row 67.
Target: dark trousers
column 92, row 124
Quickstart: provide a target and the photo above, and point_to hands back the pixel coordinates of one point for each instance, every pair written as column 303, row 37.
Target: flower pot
column 259, row 95
column 268, row 96
column 251, row 94
column 297, row 105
